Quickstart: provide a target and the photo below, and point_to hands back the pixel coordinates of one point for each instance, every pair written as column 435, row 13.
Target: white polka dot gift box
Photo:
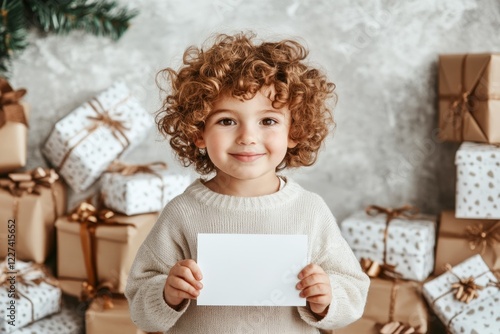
column 85, row 142
column 136, row 189
column 478, row 181
column 27, row 296
column 407, row 244
column 466, row 298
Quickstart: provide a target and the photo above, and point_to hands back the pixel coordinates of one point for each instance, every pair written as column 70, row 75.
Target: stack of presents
column 441, row 274
column 49, row 251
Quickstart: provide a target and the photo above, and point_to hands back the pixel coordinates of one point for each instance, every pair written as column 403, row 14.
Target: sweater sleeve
column 146, row 281
column 349, row 283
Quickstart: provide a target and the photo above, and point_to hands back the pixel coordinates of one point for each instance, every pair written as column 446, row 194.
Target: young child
column 244, row 111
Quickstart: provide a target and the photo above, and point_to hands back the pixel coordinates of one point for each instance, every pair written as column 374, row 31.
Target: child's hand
column 316, row 288
column 183, row 282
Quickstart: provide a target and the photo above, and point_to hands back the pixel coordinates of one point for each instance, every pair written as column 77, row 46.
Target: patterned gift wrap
column 478, row 181
column 409, row 244
column 470, row 281
column 146, row 191
column 36, row 296
column 85, row 142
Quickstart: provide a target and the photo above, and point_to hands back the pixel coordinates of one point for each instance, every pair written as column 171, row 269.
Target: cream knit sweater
column 292, row 210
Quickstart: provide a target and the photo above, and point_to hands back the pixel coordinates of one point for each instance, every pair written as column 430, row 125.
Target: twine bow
column 478, row 236
column 465, row 289
column 102, row 294
column 495, row 284
column 374, row 269
column 396, row 327
column 126, row 170
column 10, row 108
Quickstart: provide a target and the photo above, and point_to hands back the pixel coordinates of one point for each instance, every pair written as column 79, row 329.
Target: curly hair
column 234, row 65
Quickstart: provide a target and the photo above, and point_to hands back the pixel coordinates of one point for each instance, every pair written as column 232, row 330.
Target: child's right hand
column 183, row 282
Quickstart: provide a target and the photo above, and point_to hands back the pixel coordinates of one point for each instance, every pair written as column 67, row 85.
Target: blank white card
column 251, row 269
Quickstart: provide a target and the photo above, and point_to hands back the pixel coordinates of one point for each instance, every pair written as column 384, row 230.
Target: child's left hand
column 316, row 288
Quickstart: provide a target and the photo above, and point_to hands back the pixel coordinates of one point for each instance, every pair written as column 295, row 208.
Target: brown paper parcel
column 13, row 144
column 469, row 97
column 35, row 234
column 115, row 320
column 454, row 246
column 409, row 307
column 116, row 248
column 362, row 326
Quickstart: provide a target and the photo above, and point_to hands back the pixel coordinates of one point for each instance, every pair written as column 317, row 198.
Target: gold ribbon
column 102, row 118
column 396, row 327
column 89, row 218
column 461, row 104
column 465, row 289
column 10, row 108
column 478, row 236
column 30, row 182
column 374, row 269
column 101, row 294
column 127, row 170
column 407, row 212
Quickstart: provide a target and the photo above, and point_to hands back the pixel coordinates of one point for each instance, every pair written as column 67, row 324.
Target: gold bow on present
column 101, row 294
column 89, row 218
column 374, row 269
column 10, row 108
column 126, row 170
column 478, row 236
column 465, row 289
column 395, row 327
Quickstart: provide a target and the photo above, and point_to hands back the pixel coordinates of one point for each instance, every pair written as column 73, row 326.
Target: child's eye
column 226, row 122
column 268, row 121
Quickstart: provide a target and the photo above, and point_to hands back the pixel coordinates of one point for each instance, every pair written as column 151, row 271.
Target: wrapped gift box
column 115, row 246
column 13, row 128
column 461, row 317
column 469, row 107
column 409, row 244
column 85, row 142
column 36, row 214
column 142, row 192
column 459, row 239
column 478, row 181
column 99, row 320
column 39, row 296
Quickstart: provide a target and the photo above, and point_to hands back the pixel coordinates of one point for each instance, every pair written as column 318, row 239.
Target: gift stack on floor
column 396, row 249
column 97, row 240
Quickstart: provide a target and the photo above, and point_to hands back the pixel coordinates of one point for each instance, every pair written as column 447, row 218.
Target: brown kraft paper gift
column 99, row 320
column 469, row 98
column 34, row 216
column 460, row 239
column 14, row 141
column 115, row 248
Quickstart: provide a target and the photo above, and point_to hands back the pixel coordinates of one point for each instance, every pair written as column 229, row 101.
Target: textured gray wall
column 381, row 54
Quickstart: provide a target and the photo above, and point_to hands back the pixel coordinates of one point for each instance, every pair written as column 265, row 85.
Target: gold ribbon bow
column 406, row 211
column 10, row 108
column 395, row 327
column 89, row 218
column 479, row 237
column 374, row 269
column 465, row 289
column 126, row 170
column 102, row 118
column 102, row 294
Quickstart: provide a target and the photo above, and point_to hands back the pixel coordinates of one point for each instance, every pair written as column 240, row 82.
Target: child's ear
column 291, row 143
column 200, row 142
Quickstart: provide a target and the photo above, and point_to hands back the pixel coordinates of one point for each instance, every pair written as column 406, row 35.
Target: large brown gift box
column 362, row 326
column 460, row 239
column 115, row 250
column 34, row 213
column 99, row 320
column 469, row 97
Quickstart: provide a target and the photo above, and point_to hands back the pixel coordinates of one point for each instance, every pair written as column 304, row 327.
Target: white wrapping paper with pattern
column 478, row 181
column 457, row 315
column 142, row 192
column 82, row 148
column 410, row 243
column 35, row 301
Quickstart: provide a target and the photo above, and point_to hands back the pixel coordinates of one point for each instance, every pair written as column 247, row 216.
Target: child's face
column 247, row 139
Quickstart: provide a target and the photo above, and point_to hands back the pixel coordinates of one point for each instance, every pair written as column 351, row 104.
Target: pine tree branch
column 101, row 18
column 13, row 32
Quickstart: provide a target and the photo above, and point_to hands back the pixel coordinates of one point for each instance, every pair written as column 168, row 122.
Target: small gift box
column 136, row 189
column 30, row 202
column 405, row 241
column 469, row 97
column 27, row 293
column 85, row 142
column 478, row 181
column 13, row 128
column 459, row 239
column 103, row 320
column 97, row 246
column 466, row 298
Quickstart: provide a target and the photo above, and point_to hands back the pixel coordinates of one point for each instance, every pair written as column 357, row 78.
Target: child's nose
column 246, row 135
